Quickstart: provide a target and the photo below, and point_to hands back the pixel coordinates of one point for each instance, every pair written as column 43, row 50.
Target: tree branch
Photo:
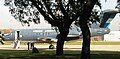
column 66, row 16
column 49, row 10
column 47, row 17
column 72, row 3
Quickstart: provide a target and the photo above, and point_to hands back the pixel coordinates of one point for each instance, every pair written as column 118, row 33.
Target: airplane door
column 17, row 35
column 17, row 40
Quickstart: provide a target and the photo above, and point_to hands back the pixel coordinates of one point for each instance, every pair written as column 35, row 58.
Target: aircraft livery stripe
column 109, row 21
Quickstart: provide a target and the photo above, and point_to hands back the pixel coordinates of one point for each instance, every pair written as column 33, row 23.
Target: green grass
column 50, row 54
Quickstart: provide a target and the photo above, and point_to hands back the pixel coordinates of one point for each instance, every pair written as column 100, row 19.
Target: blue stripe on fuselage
column 109, row 21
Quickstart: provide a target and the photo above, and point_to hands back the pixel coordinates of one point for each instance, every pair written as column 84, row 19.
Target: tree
column 118, row 5
column 59, row 13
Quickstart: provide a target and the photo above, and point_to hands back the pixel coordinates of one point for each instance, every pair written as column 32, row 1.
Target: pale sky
column 110, row 4
column 7, row 21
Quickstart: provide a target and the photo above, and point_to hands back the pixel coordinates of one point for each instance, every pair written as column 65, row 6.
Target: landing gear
column 51, row 46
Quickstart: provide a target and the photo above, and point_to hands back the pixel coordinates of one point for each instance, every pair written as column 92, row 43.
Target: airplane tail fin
column 107, row 18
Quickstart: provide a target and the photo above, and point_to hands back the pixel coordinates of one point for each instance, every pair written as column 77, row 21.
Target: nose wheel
column 51, row 46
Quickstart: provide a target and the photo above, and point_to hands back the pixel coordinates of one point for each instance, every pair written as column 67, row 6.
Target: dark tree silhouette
column 59, row 13
column 118, row 5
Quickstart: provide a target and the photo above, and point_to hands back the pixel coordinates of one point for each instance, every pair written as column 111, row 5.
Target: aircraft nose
column 6, row 38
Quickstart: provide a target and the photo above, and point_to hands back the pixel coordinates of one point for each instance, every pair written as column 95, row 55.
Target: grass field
column 43, row 54
column 50, row 54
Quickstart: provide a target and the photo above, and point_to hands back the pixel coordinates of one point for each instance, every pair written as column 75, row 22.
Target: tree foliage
column 27, row 11
column 23, row 11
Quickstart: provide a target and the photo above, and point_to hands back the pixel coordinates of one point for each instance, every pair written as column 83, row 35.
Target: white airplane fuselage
column 38, row 34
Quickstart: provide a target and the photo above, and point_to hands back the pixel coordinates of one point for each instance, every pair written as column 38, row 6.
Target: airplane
column 50, row 35
column 37, row 35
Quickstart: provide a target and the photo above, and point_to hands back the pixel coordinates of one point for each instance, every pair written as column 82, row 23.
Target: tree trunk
column 85, row 54
column 61, row 38
column 84, row 17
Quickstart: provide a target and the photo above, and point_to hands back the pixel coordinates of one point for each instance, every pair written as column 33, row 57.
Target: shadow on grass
column 50, row 54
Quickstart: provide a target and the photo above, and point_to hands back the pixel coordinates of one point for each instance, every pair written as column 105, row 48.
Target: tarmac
column 66, row 47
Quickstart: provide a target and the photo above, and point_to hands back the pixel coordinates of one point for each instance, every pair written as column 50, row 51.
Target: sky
column 110, row 4
column 7, row 21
